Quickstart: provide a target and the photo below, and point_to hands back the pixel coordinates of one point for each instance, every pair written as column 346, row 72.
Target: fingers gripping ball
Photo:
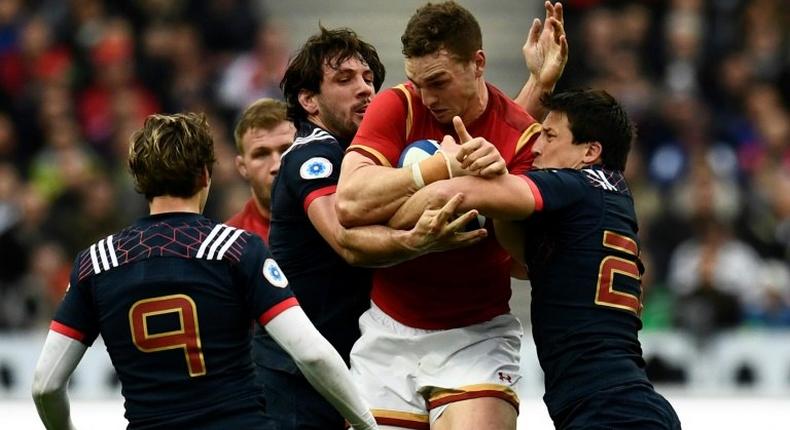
column 420, row 150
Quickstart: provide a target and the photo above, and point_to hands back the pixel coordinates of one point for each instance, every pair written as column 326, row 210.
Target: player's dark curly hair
column 330, row 47
column 595, row 116
column 167, row 156
column 437, row 26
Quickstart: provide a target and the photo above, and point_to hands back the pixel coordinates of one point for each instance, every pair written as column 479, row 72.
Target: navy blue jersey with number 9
column 173, row 296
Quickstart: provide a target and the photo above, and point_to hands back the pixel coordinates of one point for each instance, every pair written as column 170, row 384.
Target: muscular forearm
column 370, row 194
column 503, row 197
column 376, row 246
column 366, row 246
column 410, row 211
column 529, row 98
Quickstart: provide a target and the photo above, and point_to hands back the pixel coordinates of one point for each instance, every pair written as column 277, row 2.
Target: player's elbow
column 317, row 356
column 350, row 212
column 440, row 194
column 42, row 387
column 349, row 251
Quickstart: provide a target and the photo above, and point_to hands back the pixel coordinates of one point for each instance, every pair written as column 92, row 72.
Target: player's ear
column 480, row 63
column 593, row 153
column 205, row 178
column 307, row 99
column 241, row 167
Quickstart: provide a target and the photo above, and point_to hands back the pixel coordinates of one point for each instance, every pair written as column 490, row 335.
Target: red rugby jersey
column 251, row 219
column 460, row 287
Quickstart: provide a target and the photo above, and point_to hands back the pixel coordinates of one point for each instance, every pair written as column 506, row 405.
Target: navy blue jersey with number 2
column 583, row 258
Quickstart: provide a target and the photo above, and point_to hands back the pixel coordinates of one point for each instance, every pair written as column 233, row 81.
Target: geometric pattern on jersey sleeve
column 202, row 239
column 609, row 180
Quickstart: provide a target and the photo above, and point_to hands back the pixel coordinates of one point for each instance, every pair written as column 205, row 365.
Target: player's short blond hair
column 168, row 155
column 264, row 114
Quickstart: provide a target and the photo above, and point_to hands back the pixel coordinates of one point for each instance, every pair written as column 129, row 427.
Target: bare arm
column 368, row 193
column 505, row 197
column 546, row 53
column 321, row 365
column 59, row 357
column 379, row 246
column 371, row 194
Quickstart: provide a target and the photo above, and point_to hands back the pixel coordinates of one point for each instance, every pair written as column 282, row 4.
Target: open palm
column 546, row 48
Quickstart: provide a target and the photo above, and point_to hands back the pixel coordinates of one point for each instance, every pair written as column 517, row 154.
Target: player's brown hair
column 437, row 26
column 331, row 48
column 265, row 114
column 168, row 154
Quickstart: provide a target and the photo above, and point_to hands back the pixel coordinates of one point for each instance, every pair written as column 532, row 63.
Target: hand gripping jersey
column 173, row 297
column 583, row 258
column 460, row 287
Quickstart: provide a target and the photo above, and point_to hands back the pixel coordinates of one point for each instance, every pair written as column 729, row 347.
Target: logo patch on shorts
column 273, row 274
column 315, row 168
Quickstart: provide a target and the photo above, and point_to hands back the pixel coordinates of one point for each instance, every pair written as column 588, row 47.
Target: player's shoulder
column 100, row 256
column 573, row 181
column 510, row 112
column 605, row 179
column 312, row 141
column 226, row 243
column 309, row 135
column 199, row 238
column 400, row 96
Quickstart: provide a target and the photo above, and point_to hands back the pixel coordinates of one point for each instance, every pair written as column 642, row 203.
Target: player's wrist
column 434, row 168
column 410, row 240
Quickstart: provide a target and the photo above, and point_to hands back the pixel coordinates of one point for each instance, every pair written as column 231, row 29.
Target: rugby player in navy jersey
column 328, row 86
column 173, row 296
column 571, row 221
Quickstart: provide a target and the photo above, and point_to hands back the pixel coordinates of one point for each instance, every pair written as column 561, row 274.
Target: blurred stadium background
column 708, row 83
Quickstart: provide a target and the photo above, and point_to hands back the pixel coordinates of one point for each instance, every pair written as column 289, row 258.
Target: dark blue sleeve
column 557, row 188
column 312, row 171
column 76, row 315
column 265, row 287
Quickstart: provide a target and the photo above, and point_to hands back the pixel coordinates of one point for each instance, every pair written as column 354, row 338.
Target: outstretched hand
column 476, row 155
column 546, row 48
column 436, row 230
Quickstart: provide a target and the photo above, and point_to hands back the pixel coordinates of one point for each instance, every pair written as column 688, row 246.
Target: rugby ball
column 422, row 149
column 417, row 151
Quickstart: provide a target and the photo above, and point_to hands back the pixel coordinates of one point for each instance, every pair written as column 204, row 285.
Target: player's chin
column 443, row 116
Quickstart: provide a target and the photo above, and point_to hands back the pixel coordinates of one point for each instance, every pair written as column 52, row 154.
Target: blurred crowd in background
column 707, row 82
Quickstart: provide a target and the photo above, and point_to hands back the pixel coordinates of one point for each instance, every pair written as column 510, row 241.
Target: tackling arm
column 321, row 365
column 505, row 197
column 57, row 362
column 379, row 246
column 368, row 193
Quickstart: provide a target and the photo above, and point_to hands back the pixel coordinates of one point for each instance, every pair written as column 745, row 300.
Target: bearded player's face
column 346, row 91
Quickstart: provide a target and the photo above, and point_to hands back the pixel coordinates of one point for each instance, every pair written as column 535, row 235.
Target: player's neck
column 478, row 104
column 262, row 207
column 167, row 204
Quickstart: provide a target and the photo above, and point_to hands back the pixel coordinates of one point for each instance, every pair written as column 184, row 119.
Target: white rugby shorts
column 408, row 375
